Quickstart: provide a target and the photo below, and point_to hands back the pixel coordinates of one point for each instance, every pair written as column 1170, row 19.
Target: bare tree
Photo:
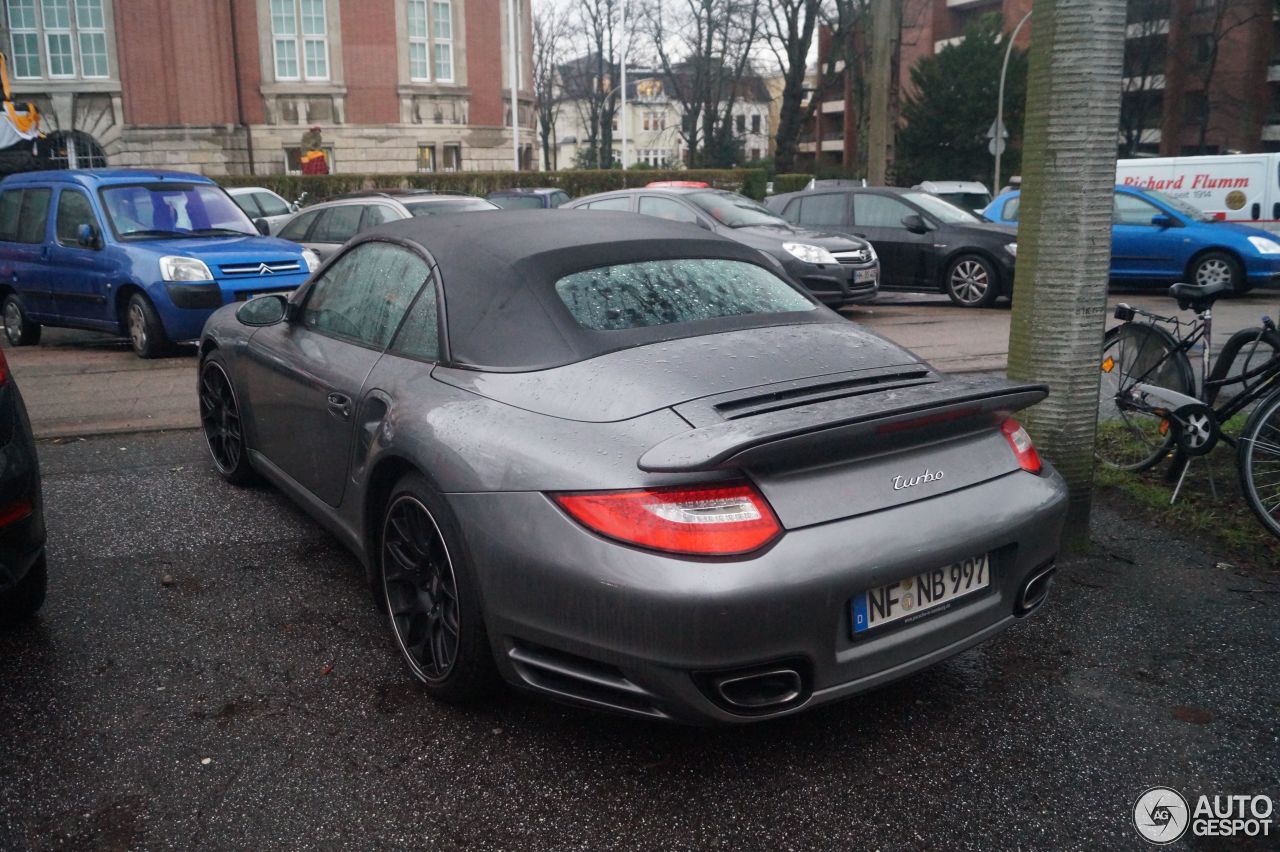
column 1145, row 55
column 549, row 31
column 1212, row 24
column 704, row 49
column 1064, row 233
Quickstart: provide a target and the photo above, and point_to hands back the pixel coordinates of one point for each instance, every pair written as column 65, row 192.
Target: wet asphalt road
column 257, row 703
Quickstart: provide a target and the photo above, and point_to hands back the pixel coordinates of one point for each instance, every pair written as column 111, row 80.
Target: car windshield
column 171, row 209
column 517, row 202
column 1177, row 205
column 736, row 211
column 941, row 209
column 445, row 206
column 666, row 292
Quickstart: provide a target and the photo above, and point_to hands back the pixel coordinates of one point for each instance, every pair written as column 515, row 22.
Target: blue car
column 149, row 254
column 1157, row 239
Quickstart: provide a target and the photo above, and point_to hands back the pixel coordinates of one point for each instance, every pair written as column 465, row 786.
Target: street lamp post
column 998, row 141
column 623, row 96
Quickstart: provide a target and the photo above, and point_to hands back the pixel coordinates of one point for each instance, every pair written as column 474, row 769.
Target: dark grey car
column 622, row 462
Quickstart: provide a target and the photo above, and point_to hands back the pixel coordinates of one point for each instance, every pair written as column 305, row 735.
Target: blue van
column 150, row 254
column 1158, row 239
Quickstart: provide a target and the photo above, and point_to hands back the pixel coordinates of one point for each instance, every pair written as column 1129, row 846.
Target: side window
column 270, row 205
column 378, row 214
column 879, row 211
column 792, row 211
column 419, row 337
column 247, row 202
column 558, row 198
column 665, row 208
column 365, row 293
column 827, row 209
column 1010, row 211
column 297, row 228
column 10, row 202
column 34, row 215
column 1131, row 210
column 74, row 210
column 623, row 203
column 338, row 224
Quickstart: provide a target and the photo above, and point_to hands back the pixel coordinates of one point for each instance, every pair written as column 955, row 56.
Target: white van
column 1241, row 188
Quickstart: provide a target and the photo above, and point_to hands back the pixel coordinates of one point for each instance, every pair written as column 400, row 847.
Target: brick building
column 230, row 86
column 1191, row 66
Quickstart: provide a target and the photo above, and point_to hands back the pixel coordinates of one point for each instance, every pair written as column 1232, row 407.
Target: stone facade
column 394, row 85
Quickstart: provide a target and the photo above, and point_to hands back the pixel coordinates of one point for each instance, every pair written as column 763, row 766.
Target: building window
column 755, row 123
column 452, row 160
column 426, row 158
column 655, row 121
column 71, row 33
column 74, row 149
column 419, row 60
column 442, row 33
column 740, row 123
column 1195, row 108
column 293, row 159
column 755, row 154
column 1204, row 48
column 301, row 50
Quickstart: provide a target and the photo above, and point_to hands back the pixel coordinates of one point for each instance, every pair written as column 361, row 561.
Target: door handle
column 340, row 405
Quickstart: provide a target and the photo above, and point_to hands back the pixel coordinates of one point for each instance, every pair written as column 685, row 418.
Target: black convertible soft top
column 498, row 270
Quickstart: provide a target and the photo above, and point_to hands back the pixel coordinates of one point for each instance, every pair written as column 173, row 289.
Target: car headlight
column 184, row 269
column 1265, row 245
column 1012, row 248
column 312, row 259
column 871, row 253
column 808, row 253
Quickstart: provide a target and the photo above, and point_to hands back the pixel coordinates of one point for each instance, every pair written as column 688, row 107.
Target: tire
column 1128, row 439
column 1214, row 267
column 430, row 596
column 972, row 281
column 222, row 423
column 19, row 329
column 1259, row 463
column 25, row 599
column 146, row 332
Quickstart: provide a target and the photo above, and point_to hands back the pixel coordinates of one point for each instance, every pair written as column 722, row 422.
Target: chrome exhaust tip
column 760, row 691
column 1036, row 589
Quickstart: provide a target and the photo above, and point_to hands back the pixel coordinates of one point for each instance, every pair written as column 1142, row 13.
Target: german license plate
column 862, row 276
column 921, row 593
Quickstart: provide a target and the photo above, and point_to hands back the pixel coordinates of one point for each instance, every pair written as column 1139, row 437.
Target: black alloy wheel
column 223, row 428
column 421, row 590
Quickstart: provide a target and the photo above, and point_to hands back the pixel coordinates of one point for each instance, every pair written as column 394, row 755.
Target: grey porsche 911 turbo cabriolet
column 627, row 463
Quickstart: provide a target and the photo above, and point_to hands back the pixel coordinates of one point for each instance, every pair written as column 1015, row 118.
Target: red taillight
column 1020, row 442
column 14, row 512
column 710, row 520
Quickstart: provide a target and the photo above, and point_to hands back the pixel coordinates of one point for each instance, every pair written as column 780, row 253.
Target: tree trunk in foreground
column 1064, row 232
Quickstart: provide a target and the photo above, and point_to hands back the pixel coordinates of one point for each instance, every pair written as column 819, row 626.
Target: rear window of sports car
column 669, row 292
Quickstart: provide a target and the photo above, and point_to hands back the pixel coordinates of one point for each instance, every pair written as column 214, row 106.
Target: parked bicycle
column 1150, row 406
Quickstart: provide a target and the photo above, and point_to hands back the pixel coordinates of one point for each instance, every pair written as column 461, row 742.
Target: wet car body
column 22, row 528
column 871, row 466
column 850, row 273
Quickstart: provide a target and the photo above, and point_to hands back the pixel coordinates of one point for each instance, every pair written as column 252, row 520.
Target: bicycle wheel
column 1246, row 351
column 1260, row 462
column 1128, row 438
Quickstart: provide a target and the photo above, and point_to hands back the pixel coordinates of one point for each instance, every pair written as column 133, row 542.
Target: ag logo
column 1236, row 199
column 1161, row 815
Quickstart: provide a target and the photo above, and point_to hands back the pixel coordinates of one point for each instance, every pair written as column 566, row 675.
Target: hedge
column 576, row 182
column 790, row 183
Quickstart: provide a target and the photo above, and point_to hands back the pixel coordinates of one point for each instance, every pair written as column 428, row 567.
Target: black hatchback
column 925, row 243
column 22, row 561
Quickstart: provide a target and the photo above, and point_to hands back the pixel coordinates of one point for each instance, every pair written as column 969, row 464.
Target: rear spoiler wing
column 841, row 427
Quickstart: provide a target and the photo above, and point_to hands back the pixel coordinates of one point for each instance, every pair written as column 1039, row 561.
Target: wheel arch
column 1199, row 253
column 121, row 301
column 381, row 479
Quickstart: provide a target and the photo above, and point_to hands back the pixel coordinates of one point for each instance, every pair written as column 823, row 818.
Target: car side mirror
column 263, row 227
column 87, row 236
column 263, row 311
column 1161, row 220
column 915, row 223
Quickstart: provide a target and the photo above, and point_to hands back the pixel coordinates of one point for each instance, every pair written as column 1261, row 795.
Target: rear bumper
column 586, row 620
column 21, row 541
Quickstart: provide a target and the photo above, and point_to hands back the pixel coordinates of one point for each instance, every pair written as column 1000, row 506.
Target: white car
column 965, row 194
column 261, row 203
